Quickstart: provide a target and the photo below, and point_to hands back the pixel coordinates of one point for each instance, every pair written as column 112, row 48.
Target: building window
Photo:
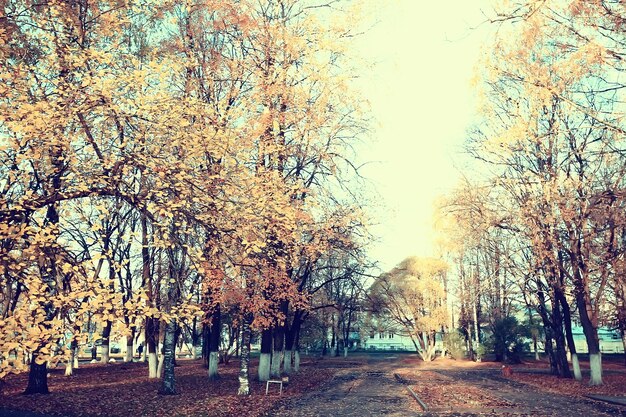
column 381, row 335
column 371, row 335
column 391, row 335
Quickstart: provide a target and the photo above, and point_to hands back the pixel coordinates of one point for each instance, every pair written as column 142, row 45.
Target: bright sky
column 421, row 96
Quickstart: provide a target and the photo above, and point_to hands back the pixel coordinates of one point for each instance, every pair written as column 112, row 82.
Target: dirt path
column 367, row 391
column 372, row 390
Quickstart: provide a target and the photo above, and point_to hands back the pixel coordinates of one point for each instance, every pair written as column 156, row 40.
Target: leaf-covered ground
column 442, row 392
column 356, row 386
column 125, row 390
column 614, row 384
column 468, row 388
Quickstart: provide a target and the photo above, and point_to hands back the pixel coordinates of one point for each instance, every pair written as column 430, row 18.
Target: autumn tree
column 412, row 296
column 153, row 178
column 552, row 135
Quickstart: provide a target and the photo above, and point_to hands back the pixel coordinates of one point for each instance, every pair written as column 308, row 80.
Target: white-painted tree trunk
column 69, row 369
column 105, row 354
column 296, row 361
column 161, row 358
column 194, row 352
column 214, row 358
column 244, row 366
column 128, row 357
column 69, row 366
column 276, row 361
column 595, row 363
column 264, row 366
column 152, row 365
column 345, row 352
column 576, row 367
column 144, row 354
column 287, row 361
column 427, row 354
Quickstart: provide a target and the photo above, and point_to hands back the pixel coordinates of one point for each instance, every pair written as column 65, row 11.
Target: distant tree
column 412, row 296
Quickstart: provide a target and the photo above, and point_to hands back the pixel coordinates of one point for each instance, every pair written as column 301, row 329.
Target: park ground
column 360, row 385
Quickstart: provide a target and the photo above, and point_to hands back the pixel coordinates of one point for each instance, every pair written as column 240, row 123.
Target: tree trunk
column 477, row 357
column 559, row 337
column 37, row 377
column 76, row 353
column 553, row 328
column 296, row 353
column 624, row 344
column 266, row 355
column 38, row 373
column 69, row 365
column 554, row 369
column 567, row 323
column 279, row 343
column 129, row 346
column 194, row 339
column 206, row 336
column 244, row 383
column 591, row 335
column 296, row 361
column 214, row 343
column 586, row 313
column 290, row 340
column 287, row 361
column 151, row 348
column 168, row 385
column 537, row 357
column 72, row 362
column 160, row 362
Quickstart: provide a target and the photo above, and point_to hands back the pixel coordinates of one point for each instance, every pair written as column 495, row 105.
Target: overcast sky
column 421, row 96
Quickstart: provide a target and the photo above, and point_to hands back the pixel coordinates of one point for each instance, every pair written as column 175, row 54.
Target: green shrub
column 507, row 340
column 454, row 342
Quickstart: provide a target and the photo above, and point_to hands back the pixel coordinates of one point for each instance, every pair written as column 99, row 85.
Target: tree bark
column 106, row 338
column 296, row 353
column 290, row 338
column 37, row 377
column 624, row 344
column 266, row 355
column 244, row 383
column 279, row 341
column 72, row 362
column 214, row 343
column 130, row 346
column 567, row 322
column 168, row 385
column 591, row 335
column 151, row 329
column 553, row 328
column 69, row 366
